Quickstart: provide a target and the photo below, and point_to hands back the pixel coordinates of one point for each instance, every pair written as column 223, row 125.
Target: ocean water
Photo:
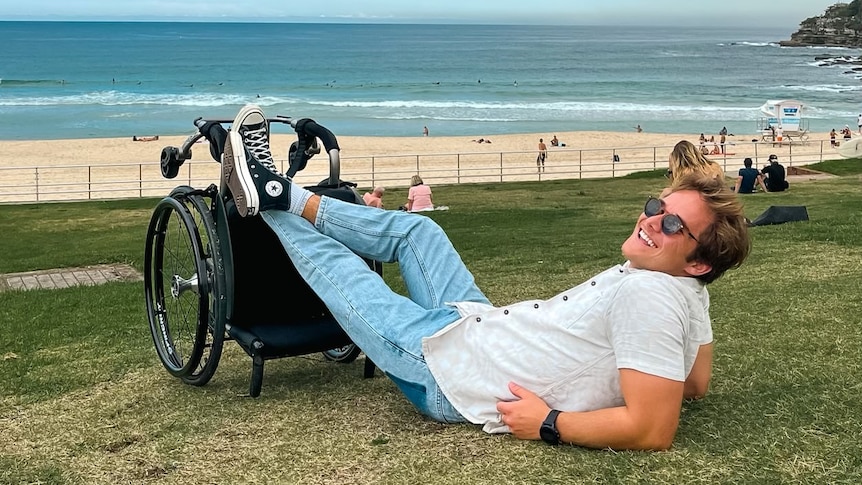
column 106, row 79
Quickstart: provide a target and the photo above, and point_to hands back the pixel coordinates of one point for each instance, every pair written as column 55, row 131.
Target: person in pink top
column 419, row 196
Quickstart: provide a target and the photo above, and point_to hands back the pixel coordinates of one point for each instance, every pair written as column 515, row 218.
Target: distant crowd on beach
column 846, row 133
column 711, row 147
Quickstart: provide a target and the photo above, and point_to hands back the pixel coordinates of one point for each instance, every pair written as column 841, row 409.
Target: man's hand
column 523, row 416
column 647, row 421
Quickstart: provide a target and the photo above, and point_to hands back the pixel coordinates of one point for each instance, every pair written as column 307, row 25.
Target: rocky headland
column 839, row 26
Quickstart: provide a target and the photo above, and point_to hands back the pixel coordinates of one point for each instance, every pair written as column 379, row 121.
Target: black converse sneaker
column 248, row 168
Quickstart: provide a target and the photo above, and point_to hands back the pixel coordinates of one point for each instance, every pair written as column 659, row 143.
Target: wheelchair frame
column 197, row 282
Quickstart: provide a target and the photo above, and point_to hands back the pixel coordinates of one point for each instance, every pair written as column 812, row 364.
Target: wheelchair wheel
column 185, row 287
column 342, row 355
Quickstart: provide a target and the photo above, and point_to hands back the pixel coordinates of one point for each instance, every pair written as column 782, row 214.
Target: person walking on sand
column 723, row 139
column 543, row 153
column 859, row 122
column 424, row 131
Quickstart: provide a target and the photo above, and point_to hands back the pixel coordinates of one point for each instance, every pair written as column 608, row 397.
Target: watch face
column 548, row 431
column 549, row 434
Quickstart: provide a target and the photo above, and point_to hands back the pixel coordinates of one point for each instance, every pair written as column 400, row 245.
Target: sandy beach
column 109, row 167
column 100, row 151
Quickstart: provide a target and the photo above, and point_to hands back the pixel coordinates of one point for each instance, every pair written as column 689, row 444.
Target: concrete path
column 66, row 277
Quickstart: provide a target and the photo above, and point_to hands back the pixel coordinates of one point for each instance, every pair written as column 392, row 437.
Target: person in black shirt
column 774, row 175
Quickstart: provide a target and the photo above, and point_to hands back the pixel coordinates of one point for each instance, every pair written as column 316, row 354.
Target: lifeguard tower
column 784, row 113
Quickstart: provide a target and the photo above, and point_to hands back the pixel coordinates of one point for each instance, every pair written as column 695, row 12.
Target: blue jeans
column 387, row 326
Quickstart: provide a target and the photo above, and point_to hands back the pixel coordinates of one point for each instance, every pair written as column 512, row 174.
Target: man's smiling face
column 649, row 248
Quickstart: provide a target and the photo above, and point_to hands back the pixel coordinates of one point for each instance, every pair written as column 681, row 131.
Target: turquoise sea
column 106, row 79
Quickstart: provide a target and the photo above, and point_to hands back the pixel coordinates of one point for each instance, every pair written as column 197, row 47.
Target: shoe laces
column 256, row 140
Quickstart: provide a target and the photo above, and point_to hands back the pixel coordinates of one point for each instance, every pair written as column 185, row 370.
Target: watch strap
column 548, row 432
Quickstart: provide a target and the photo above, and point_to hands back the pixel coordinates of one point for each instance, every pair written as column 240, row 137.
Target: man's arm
column 697, row 382
column 648, row 421
column 738, row 181
column 762, row 184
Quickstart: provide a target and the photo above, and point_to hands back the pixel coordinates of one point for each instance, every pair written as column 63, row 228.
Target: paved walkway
column 65, row 277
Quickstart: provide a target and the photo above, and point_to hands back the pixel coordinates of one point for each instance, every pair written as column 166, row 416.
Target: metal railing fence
column 143, row 179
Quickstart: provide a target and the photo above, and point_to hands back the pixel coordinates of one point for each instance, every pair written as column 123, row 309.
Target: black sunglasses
column 670, row 223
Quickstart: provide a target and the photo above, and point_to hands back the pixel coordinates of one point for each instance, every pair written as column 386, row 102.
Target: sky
column 718, row 13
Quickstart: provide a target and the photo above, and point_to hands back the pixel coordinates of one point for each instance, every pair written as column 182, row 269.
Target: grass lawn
column 84, row 399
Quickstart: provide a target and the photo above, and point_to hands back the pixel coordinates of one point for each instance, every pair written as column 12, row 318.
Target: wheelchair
column 204, row 283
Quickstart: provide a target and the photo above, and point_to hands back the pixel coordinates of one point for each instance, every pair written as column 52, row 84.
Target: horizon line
column 366, row 21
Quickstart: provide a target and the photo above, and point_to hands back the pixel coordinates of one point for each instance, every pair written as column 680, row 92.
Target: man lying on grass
column 606, row 364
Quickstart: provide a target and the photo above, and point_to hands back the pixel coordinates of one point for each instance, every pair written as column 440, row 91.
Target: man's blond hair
column 724, row 244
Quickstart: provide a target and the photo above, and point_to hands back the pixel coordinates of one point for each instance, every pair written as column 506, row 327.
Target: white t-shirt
column 569, row 349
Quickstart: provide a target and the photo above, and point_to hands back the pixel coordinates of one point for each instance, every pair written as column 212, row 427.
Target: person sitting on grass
column 419, row 197
column 375, row 197
column 686, row 159
column 748, row 178
column 606, row 364
column 774, row 175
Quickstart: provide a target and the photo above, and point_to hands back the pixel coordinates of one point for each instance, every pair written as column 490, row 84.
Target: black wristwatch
column 548, row 431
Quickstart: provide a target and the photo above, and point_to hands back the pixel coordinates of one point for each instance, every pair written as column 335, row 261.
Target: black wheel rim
column 177, row 297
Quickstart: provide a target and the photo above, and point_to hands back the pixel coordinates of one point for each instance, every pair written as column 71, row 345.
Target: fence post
column 89, row 182
column 501, row 167
column 821, row 150
column 580, row 164
column 140, row 180
column 458, row 167
column 417, row 164
column 373, row 174
column 37, row 184
column 614, row 164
